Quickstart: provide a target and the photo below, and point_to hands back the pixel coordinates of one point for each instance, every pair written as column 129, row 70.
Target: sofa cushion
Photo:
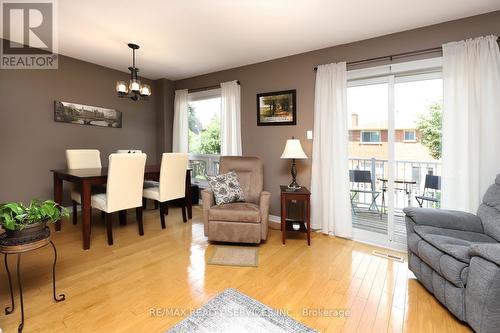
column 446, row 250
column 235, row 211
column 469, row 236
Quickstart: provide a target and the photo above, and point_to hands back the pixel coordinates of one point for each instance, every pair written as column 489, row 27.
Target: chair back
column 128, row 151
column 432, row 183
column 83, row 159
column 250, row 173
column 173, row 176
column 360, row 176
column 125, row 181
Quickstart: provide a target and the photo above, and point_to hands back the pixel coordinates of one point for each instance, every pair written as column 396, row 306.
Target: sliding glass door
column 394, row 146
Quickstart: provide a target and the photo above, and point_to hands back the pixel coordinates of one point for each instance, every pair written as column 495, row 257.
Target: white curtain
column 180, row 132
column 330, row 205
column 471, row 121
column 230, row 119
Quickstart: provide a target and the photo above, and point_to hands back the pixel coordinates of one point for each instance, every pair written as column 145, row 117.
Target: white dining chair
column 171, row 185
column 82, row 159
column 128, row 151
column 123, row 189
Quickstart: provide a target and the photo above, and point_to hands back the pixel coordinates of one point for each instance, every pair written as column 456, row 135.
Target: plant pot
column 31, row 231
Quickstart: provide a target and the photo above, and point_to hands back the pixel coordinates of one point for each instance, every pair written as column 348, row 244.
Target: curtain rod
column 216, row 86
column 397, row 55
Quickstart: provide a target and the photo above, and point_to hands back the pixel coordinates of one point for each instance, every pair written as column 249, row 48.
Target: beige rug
column 234, row 256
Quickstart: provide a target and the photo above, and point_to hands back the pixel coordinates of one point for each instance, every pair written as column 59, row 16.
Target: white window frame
column 410, row 131
column 370, row 142
column 211, row 160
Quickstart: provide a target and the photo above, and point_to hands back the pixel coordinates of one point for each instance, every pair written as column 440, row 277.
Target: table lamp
column 293, row 150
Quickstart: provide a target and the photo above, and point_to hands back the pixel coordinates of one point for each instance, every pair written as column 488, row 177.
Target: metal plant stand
column 18, row 247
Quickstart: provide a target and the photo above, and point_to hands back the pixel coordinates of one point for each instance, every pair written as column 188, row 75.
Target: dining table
column 85, row 179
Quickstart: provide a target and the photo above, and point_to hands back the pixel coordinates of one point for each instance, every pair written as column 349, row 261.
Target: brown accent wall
column 31, row 143
column 296, row 72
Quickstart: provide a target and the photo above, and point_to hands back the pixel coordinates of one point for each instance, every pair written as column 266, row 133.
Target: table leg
column 189, row 197
column 86, row 211
column 61, row 297
column 58, row 189
column 308, row 220
column 283, row 219
column 408, row 192
column 9, row 310
column 21, row 325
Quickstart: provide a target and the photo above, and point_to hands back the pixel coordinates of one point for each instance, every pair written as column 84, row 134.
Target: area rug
column 234, row 256
column 234, row 312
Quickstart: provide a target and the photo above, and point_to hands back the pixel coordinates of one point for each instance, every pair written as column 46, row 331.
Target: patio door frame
column 391, row 75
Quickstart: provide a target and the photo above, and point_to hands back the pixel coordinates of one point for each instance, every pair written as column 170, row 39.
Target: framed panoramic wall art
column 277, row 108
column 73, row 113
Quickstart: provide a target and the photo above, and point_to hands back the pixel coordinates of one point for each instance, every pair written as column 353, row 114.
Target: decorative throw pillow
column 226, row 188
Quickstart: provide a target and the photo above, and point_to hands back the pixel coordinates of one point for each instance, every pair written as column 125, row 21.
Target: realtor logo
column 28, row 35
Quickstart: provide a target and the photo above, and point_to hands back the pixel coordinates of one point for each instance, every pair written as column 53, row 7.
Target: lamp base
column 294, row 186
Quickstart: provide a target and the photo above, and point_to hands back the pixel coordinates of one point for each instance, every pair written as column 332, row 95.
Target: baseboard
column 274, row 222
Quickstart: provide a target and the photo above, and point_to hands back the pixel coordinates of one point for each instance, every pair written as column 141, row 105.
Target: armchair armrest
column 443, row 218
column 490, row 252
column 207, row 198
column 264, row 202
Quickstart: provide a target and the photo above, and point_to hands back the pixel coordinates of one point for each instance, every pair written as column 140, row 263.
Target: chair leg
column 138, row 215
column 103, row 214
column 156, row 204
column 183, row 208
column 109, row 228
column 122, row 215
column 162, row 214
column 166, row 208
column 144, row 203
column 75, row 212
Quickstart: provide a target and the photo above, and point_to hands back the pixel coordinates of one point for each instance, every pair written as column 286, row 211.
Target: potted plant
column 29, row 221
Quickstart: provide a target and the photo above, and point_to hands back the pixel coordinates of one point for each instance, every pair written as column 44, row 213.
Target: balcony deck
column 371, row 221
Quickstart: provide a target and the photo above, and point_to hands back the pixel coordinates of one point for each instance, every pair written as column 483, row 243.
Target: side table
column 301, row 194
column 8, row 246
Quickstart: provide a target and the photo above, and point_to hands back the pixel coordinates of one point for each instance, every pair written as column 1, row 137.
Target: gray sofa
column 456, row 256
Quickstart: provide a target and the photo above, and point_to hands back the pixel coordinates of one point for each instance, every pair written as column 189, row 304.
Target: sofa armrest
column 208, row 200
column 264, row 202
column 443, row 218
column 490, row 252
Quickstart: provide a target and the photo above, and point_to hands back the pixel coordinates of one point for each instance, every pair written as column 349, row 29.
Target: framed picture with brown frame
column 277, row 108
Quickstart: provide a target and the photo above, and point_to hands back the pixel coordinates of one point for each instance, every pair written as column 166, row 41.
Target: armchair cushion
column 442, row 218
column 226, row 188
column 235, row 211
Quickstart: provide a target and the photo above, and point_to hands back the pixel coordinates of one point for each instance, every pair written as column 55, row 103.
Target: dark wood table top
column 301, row 190
column 99, row 172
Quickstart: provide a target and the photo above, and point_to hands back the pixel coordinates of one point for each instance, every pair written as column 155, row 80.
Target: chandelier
column 135, row 90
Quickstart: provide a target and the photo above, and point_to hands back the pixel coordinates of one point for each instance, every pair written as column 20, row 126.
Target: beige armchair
column 239, row 222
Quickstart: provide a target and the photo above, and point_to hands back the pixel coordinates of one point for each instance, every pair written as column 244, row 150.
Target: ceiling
column 184, row 38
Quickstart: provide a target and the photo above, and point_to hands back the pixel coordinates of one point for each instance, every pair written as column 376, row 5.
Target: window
column 204, row 122
column 370, row 136
column 204, row 110
column 410, row 136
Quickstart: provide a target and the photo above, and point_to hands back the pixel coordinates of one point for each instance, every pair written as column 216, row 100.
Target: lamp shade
column 293, row 149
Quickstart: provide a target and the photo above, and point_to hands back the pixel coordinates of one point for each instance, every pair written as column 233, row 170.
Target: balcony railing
column 404, row 170
column 202, row 165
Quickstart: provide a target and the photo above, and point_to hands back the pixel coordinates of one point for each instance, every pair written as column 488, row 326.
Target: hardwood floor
column 114, row 288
